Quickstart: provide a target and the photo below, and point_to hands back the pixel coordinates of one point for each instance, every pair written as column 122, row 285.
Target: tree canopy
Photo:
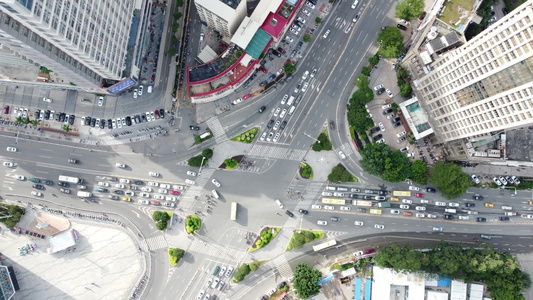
column 307, row 38
column 305, row 281
column 14, row 211
column 325, row 143
column 362, row 81
column 419, row 172
column 379, row 159
column 409, row 9
column 449, row 179
column 357, row 115
column 289, row 68
column 390, row 41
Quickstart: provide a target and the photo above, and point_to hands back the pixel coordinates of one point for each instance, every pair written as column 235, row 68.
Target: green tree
column 179, row 3
column 175, row 27
column 307, row 38
column 362, row 81
column 171, row 51
column 305, row 281
column 254, row 266
column 397, row 167
column 66, row 128
column 405, row 90
column 289, row 68
column 419, row 172
column 14, row 211
column 196, row 161
column 207, row 153
column 402, row 74
column 449, row 179
column 173, row 39
column 323, row 143
column 390, row 42
column 192, row 224
column 409, row 9
column 374, row 60
column 241, row 272
column 231, row 163
column 177, row 252
column 366, row 71
column 298, row 240
column 374, row 158
column 175, row 15
column 18, row 120
column 318, row 20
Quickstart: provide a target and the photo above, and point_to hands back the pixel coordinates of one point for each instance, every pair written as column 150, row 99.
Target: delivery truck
column 84, row 194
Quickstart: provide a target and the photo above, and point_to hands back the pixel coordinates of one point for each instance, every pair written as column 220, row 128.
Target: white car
column 119, row 165
column 503, row 181
column 345, row 208
column 313, row 73
column 163, row 191
column 453, row 204
column 341, row 154
column 283, row 112
column 358, row 223
column 11, row 149
column 191, row 182
column 437, row 229
column 120, row 186
column 440, row 203
column 140, row 90
column 159, row 197
column 279, row 203
column 310, row 5
column 47, row 100
column 327, row 194
column 381, row 126
column 316, row 206
column 420, row 208
column 146, row 189
column 323, row 223
column 389, row 93
column 498, row 182
column 153, row 174
column 432, row 216
column 100, row 101
column 284, row 99
column 130, row 193
column 464, row 217
column 191, row 173
column 135, row 94
column 472, row 212
column 276, row 137
column 145, row 195
column 338, row 194
column 215, row 182
column 151, row 183
column 425, row 201
column 516, row 180
column 9, row 164
column 235, row 102
column 289, row 39
column 525, row 216
column 263, row 136
column 38, row 194
column 404, row 206
column 475, row 179
column 19, row 177
column 401, row 134
column 420, row 215
column 304, row 76
column 407, row 201
column 145, row 202
column 329, row 207
column 276, row 126
column 276, row 112
column 119, row 123
column 305, row 12
column 103, row 184
column 325, row 33
column 394, row 211
column 378, row 87
column 386, row 106
column 178, row 187
column 173, row 199
column 414, row 188
column 304, row 88
column 123, row 180
column 379, row 226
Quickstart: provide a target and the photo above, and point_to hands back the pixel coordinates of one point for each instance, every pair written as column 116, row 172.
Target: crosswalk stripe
column 282, row 265
column 277, row 152
column 219, row 251
column 157, row 242
column 217, row 130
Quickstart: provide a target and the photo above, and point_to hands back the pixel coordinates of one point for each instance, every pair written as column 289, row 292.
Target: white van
column 292, row 109
column 507, row 207
column 450, row 210
column 291, row 100
column 331, row 188
column 149, row 89
column 215, row 194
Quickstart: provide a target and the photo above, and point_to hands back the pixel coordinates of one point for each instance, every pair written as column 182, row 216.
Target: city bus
column 333, row 201
column 70, row 179
column 401, row 193
column 233, row 211
column 375, row 211
column 362, row 203
column 324, row 245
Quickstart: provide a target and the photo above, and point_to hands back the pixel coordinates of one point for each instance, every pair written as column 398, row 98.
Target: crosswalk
column 217, row 130
column 220, row 252
column 282, row 265
column 189, row 197
column 346, row 148
column 276, row 152
column 156, row 242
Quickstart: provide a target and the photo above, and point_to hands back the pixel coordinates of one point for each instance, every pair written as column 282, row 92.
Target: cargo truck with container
column 291, row 100
column 362, row 203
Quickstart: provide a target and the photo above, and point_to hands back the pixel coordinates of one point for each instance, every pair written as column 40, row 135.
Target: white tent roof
column 207, row 54
column 62, row 241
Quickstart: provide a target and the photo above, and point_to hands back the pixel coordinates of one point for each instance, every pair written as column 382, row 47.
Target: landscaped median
column 198, row 139
column 175, row 255
column 161, row 219
column 306, row 171
column 299, row 239
column 247, row 137
column 192, row 224
column 267, row 235
column 245, row 269
column 340, row 174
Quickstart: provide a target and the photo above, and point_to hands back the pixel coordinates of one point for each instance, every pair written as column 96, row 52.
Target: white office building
column 83, row 40
column 485, row 85
column 224, row 16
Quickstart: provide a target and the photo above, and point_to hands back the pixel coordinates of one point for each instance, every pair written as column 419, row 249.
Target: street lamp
column 200, row 171
column 307, row 135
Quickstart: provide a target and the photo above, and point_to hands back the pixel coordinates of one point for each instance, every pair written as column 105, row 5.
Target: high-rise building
column 225, row 16
column 84, row 40
column 486, row 84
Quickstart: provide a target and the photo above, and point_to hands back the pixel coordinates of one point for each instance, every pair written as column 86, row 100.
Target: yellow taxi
column 530, row 202
column 127, row 199
column 394, row 199
column 489, row 205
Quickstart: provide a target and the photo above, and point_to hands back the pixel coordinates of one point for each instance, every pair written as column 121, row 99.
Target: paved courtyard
column 104, row 264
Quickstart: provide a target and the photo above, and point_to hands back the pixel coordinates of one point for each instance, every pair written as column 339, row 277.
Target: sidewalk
column 275, row 248
column 322, row 163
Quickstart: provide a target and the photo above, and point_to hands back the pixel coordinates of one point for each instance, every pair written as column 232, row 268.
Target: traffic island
column 245, row 269
column 198, row 139
column 230, row 163
column 306, row 171
column 322, row 143
column 192, row 224
column 340, row 174
column 267, row 235
column 247, row 137
column 175, row 254
column 161, row 219
column 299, row 239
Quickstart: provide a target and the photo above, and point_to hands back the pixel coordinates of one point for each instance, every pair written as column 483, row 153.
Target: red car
column 368, row 251
column 419, row 195
column 263, row 70
column 174, row 192
column 6, row 109
column 281, row 50
column 156, row 114
column 155, row 203
column 246, row 97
